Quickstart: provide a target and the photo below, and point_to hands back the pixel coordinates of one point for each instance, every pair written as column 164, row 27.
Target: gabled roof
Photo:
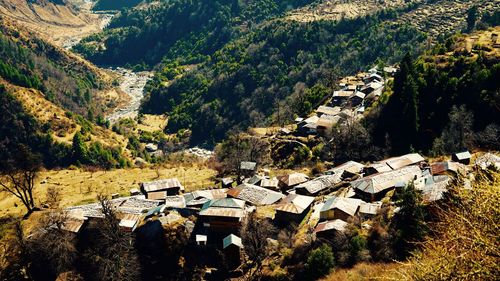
column 255, row 195
column 328, row 110
column 379, row 182
column 226, row 207
column 380, row 167
column 157, row 195
column 404, row 160
column 463, row 155
column 320, row 183
column 343, row 93
column 370, row 208
column 293, row 179
column 295, row 203
column 175, row 201
column 200, row 197
column 338, row 225
column 225, row 203
column 255, row 179
column 311, row 120
column 269, row 183
column 163, row 184
column 247, row 165
column 347, row 205
column 328, row 120
column 232, row 239
column 350, row 166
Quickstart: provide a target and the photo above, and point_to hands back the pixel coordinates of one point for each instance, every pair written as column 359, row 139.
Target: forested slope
column 28, row 61
column 232, row 64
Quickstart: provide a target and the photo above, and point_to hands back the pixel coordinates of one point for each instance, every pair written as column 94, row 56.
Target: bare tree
column 53, row 197
column 112, row 255
column 20, row 175
column 254, row 235
column 52, row 249
column 240, row 147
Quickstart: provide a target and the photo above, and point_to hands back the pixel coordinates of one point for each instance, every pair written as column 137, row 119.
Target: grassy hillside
column 28, row 61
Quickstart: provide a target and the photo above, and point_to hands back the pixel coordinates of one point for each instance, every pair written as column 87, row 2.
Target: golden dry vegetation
column 151, row 123
column 62, row 126
column 78, row 186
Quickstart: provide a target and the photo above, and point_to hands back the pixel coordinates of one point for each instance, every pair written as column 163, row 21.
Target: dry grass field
column 365, row 271
column 151, row 123
column 78, row 186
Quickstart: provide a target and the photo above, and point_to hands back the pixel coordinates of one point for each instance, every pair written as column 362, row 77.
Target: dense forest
column 443, row 104
column 30, row 62
column 184, row 30
column 285, row 66
column 105, row 5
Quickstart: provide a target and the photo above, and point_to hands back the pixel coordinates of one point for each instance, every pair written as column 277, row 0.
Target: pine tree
column 79, row 148
column 404, row 105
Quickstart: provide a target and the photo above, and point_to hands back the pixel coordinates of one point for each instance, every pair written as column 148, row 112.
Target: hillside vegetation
column 28, row 61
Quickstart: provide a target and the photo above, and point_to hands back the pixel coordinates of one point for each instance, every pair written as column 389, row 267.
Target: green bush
column 320, row 262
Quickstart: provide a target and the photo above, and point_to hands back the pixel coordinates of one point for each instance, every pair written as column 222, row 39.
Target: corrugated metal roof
column 463, row 155
column 293, row 179
column 232, row 239
column 225, row 203
column 370, row 208
column 320, row 183
column 73, row 225
column 338, row 225
column 379, row 182
column 350, row 166
column 269, row 183
column 328, row 110
column 255, row 195
column 175, row 201
column 347, row 205
column 403, row 161
column 295, row 203
column 249, row 166
column 162, row 185
column 222, row 212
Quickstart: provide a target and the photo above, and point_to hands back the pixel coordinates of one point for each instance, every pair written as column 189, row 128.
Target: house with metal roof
column 270, row 183
column 318, row 185
column 170, row 186
column 328, row 110
column 223, row 215
column 255, row 195
column 402, row 161
column 375, row 187
column 369, row 210
column 347, row 170
column 248, row 168
column 340, row 208
column 462, row 157
column 291, row 180
column 231, row 247
column 197, row 198
column 330, row 228
column 294, row 207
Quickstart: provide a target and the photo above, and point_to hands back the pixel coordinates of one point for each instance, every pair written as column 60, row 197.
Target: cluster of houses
column 355, row 94
column 327, row 201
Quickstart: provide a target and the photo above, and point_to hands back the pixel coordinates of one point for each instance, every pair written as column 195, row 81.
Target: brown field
column 151, row 123
column 365, row 271
column 78, row 186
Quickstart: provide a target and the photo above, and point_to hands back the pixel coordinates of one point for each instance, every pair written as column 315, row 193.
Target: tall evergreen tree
column 402, row 121
column 79, row 148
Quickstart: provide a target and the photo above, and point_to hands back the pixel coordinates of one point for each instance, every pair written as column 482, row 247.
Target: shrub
column 320, row 262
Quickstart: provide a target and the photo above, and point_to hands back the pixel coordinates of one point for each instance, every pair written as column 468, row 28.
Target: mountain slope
column 28, row 61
